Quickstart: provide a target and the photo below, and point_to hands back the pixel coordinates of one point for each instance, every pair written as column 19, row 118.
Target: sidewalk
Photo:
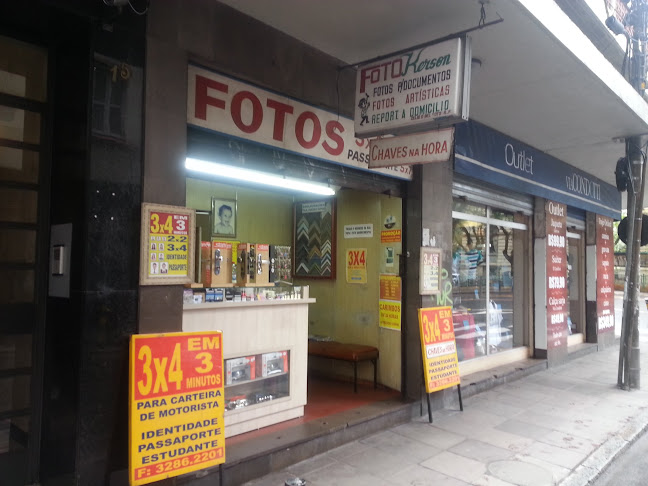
column 558, row 426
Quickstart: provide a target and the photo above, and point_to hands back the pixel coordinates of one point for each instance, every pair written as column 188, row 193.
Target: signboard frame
column 427, row 255
column 448, row 61
column 435, row 146
column 213, row 98
column 435, row 341
column 148, row 209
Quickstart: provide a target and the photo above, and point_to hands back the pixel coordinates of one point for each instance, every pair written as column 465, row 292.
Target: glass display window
column 256, row 379
column 484, row 265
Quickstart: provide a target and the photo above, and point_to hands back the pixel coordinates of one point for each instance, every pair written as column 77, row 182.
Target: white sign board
column 232, row 107
column 419, row 148
column 358, row 230
column 413, row 92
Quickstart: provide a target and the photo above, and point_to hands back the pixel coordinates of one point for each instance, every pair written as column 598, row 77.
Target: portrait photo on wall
column 223, row 217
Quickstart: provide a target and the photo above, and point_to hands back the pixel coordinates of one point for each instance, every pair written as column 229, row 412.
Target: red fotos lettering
column 248, row 112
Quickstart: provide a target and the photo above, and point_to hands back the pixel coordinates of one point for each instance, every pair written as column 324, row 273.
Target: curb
column 602, row 457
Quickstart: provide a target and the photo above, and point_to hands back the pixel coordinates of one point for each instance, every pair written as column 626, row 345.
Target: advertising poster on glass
column 605, row 274
column 557, row 297
column 167, row 252
column 430, row 271
column 223, row 218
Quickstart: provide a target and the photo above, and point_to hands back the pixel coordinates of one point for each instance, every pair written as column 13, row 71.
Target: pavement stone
column 559, row 426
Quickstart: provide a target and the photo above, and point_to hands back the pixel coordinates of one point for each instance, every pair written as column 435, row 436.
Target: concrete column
column 428, row 207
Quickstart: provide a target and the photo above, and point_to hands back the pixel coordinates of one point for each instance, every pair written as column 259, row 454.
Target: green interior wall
column 344, row 312
column 261, row 216
column 349, row 312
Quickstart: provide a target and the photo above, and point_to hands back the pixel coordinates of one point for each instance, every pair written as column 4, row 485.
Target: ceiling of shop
column 529, row 85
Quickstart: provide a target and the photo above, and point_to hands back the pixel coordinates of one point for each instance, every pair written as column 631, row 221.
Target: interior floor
column 325, row 397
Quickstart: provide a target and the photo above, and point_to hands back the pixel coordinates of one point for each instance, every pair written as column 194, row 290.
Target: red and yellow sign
column 604, row 274
column 176, row 404
column 356, row 266
column 440, row 363
column 390, row 236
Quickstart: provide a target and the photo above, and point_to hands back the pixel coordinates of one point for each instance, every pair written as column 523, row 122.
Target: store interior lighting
column 248, row 175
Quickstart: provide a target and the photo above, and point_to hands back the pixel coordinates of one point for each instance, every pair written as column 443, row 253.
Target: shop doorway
column 345, row 309
column 575, row 286
column 24, row 182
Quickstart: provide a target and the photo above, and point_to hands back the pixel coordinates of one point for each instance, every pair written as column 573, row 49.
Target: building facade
column 103, row 105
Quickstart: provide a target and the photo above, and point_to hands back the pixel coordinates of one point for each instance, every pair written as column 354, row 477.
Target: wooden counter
column 252, row 329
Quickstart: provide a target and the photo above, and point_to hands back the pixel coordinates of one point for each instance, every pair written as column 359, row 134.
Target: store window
column 107, row 99
column 575, row 283
column 486, row 314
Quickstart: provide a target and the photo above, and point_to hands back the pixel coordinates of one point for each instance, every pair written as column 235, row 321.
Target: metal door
column 24, row 194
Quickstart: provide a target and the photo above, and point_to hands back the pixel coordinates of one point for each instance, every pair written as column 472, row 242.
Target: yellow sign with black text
column 176, row 404
column 389, row 316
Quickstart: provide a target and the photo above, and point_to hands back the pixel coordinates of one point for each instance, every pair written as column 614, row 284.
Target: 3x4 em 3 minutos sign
column 176, row 404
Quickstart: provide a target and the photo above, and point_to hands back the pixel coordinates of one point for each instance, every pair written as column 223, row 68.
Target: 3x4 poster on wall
column 167, row 244
column 314, row 238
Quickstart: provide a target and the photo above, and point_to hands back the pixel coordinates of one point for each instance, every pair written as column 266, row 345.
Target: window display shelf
column 249, row 303
column 260, row 378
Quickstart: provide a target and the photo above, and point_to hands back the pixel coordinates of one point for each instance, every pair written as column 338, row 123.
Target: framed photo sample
column 314, row 239
column 167, row 245
column 223, row 213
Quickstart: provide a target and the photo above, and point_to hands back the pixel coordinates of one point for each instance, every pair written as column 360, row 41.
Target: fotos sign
column 557, row 296
column 226, row 105
column 415, row 91
column 419, row 148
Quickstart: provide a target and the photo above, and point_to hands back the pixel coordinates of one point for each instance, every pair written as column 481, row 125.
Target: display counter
column 265, row 348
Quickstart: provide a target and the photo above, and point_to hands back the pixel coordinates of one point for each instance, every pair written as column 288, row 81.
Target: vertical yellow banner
column 390, row 302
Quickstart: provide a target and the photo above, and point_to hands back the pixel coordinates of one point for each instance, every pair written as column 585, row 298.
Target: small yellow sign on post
column 176, row 404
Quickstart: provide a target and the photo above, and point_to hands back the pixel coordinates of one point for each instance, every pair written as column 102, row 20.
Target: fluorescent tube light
column 247, row 175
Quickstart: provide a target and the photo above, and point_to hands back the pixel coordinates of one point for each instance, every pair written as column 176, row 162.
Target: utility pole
column 629, row 367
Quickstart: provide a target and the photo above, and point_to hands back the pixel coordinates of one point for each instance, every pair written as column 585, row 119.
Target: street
column 643, row 316
column 630, row 465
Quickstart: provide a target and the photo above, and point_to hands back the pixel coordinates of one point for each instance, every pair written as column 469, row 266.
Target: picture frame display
column 223, row 217
column 314, row 239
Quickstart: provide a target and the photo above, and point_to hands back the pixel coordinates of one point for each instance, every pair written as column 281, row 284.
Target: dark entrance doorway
column 24, row 194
